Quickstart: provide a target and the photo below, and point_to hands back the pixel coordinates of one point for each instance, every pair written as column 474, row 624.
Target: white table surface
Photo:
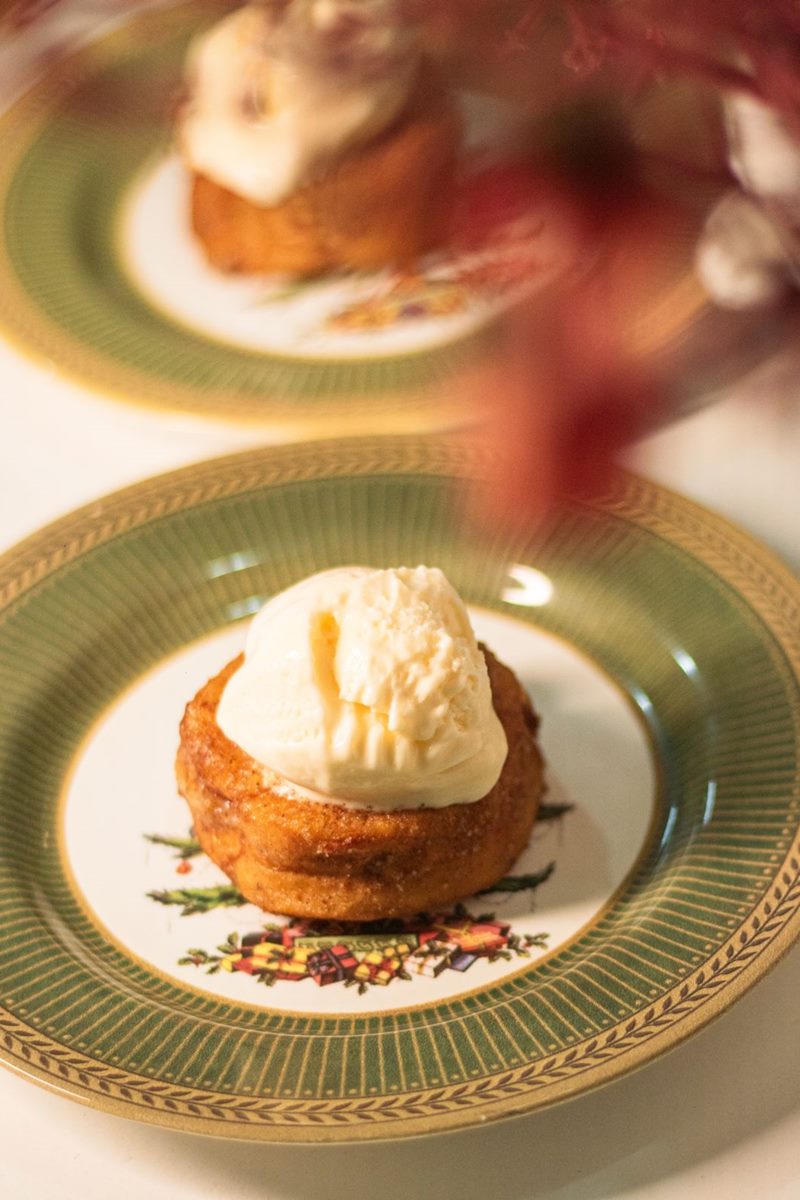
column 719, row 1116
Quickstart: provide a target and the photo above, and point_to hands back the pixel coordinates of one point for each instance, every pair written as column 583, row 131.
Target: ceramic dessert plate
column 661, row 648
column 102, row 275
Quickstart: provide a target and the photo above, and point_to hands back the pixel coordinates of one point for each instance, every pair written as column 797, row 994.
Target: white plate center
column 122, row 788
column 372, row 314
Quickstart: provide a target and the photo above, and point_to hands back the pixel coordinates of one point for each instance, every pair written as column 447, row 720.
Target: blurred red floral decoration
column 752, row 45
column 749, row 44
column 571, row 392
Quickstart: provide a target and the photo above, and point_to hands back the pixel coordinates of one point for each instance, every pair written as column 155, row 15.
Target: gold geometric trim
column 753, row 948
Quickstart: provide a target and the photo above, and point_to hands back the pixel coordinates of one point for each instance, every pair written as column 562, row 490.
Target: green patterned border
column 752, row 918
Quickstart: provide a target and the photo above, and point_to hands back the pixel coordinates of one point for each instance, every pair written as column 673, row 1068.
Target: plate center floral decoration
column 369, row 954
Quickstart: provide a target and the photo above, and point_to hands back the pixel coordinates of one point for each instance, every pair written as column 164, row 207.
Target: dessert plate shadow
column 660, row 645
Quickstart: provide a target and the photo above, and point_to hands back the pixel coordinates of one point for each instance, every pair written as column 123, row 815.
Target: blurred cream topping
column 278, row 89
column 367, row 687
column 764, row 153
column 740, row 259
column 743, row 257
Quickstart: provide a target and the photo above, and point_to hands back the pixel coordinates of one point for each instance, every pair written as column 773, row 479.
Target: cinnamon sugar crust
column 293, row 855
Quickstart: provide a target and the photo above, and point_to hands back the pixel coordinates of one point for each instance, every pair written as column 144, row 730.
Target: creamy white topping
column 764, row 153
column 368, row 687
column 740, row 258
column 278, row 90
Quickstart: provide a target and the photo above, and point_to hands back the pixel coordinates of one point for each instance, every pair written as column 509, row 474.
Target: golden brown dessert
column 297, row 856
column 386, row 203
column 318, row 136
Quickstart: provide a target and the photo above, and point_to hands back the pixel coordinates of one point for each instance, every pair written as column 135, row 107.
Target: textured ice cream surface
column 368, row 687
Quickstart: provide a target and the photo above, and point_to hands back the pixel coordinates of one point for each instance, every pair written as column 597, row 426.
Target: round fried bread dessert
column 303, row 857
column 379, row 205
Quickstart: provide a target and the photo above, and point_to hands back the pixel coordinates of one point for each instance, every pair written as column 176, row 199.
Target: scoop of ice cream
column 764, row 152
column 740, row 258
column 368, row 687
column 277, row 90
column 743, row 257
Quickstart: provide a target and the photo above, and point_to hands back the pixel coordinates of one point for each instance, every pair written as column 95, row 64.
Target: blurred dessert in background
column 319, row 136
